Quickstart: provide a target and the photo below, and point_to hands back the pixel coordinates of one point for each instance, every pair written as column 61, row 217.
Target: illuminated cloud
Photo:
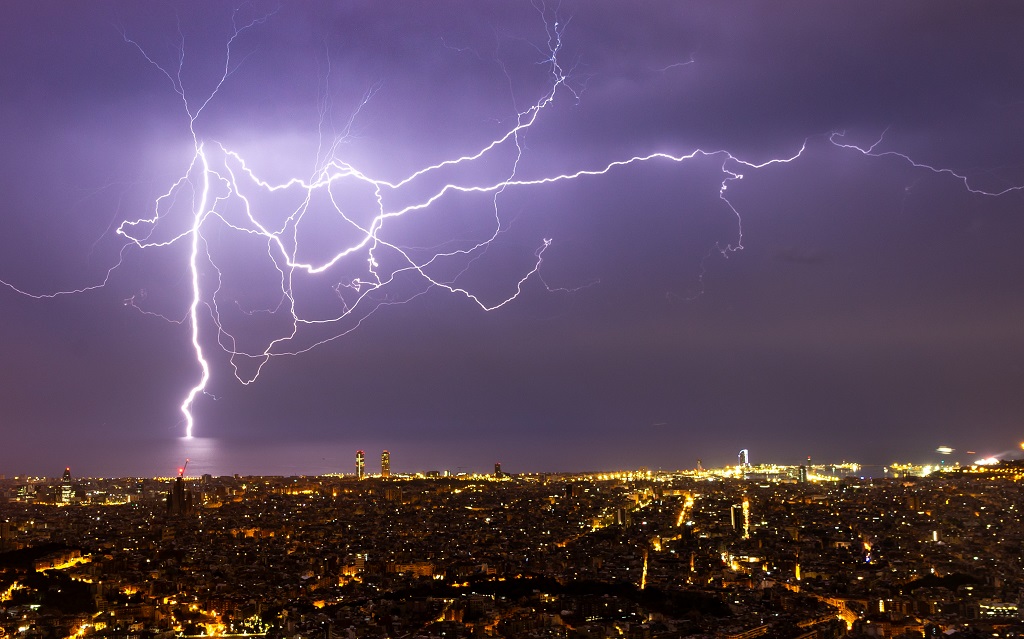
column 286, row 176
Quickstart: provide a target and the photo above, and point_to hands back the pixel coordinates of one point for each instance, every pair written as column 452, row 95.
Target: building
column 360, row 464
column 991, row 609
column 393, row 493
column 736, row 517
column 743, row 458
column 67, row 488
column 385, row 464
column 6, row 536
column 497, row 469
column 746, row 517
column 803, row 474
column 179, row 499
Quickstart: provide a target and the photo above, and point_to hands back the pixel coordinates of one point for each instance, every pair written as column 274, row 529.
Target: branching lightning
column 838, row 139
column 368, row 266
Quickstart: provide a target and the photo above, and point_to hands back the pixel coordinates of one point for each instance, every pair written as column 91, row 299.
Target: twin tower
column 385, row 464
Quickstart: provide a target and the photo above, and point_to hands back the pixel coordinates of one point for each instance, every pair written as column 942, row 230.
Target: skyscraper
column 360, row 464
column 746, row 517
column 744, row 458
column 179, row 499
column 736, row 516
column 5, row 535
column 739, row 517
column 385, row 464
column 67, row 489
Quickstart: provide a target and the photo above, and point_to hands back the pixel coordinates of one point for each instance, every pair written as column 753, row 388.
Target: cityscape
column 475, row 319
column 812, row 551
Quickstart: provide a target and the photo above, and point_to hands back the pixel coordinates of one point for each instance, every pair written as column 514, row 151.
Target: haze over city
column 598, row 288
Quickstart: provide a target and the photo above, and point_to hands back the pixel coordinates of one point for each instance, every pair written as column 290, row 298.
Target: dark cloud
column 870, row 301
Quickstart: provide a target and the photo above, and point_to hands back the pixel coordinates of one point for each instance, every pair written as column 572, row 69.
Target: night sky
column 872, row 310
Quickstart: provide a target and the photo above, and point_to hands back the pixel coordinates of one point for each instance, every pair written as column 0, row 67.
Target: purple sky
column 874, row 313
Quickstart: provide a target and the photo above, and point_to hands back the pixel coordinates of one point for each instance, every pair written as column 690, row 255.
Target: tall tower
column 746, row 517
column 5, row 535
column 743, row 458
column 385, row 464
column 67, row 489
column 360, row 464
column 179, row 499
column 497, row 469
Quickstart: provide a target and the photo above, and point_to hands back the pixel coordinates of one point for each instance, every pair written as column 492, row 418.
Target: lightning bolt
column 838, row 139
column 371, row 260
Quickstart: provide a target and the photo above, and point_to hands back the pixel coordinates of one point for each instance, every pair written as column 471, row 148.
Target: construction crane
column 181, row 471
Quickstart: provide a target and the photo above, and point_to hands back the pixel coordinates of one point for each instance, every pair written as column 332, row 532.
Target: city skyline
column 665, row 556
column 225, row 465
column 601, row 288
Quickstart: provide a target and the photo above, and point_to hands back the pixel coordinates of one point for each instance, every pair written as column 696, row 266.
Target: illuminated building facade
column 987, row 608
column 739, row 517
column 736, row 516
column 67, row 489
column 746, row 517
column 360, row 464
column 385, row 464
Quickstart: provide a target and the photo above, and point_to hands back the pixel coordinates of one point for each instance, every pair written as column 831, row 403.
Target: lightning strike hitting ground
column 369, row 262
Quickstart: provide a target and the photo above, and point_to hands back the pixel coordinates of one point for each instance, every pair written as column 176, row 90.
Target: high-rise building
column 746, row 517
column 739, row 517
column 385, row 464
column 497, row 469
column 67, row 489
column 360, row 464
column 179, row 500
column 744, row 458
column 623, row 517
column 6, row 537
column 803, row 474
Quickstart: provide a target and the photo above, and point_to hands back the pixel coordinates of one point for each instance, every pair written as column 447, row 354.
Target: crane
column 181, row 471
